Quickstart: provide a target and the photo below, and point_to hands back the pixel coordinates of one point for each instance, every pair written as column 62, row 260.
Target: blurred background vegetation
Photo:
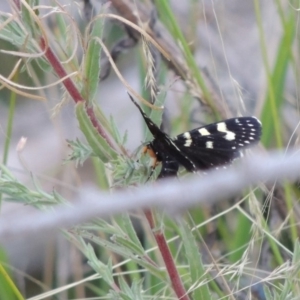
column 226, row 58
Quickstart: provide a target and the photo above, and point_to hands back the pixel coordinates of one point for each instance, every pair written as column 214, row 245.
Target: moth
column 210, row 146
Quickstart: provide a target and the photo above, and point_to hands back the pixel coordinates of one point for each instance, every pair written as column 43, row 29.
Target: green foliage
column 92, row 63
column 7, row 290
column 15, row 191
column 99, row 145
column 123, row 261
column 289, row 288
column 165, row 11
column 275, row 95
column 197, row 271
column 22, row 38
column 80, row 152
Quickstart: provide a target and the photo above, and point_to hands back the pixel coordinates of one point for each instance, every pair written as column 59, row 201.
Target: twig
column 170, row 195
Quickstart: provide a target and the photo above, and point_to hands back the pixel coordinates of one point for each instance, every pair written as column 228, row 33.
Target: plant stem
column 60, row 71
column 10, row 283
column 168, row 258
column 72, row 89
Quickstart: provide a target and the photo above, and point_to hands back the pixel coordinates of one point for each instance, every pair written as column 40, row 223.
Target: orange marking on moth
column 152, row 154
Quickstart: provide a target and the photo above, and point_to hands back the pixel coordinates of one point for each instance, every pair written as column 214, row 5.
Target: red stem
column 167, row 257
column 60, row 71
column 72, row 89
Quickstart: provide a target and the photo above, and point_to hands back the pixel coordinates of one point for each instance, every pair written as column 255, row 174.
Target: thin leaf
column 197, row 270
column 92, row 62
column 126, row 224
column 97, row 143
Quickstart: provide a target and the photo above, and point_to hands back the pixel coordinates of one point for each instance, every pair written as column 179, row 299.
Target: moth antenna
column 136, row 104
column 154, row 129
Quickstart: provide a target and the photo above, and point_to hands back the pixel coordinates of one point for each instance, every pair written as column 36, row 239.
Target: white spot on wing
column 204, row 131
column 188, row 140
column 187, row 135
column 221, row 127
column 187, row 143
column 209, row 145
column 230, row 136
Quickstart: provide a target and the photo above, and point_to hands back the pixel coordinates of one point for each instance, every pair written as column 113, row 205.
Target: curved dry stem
column 24, row 87
column 39, row 23
column 37, row 55
column 12, row 73
column 75, row 31
column 18, row 92
column 9, row 20
column 122, row 79
column 74, row 27
column 22, row 54
column 137, row 28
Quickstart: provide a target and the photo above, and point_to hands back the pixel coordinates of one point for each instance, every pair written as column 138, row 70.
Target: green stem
column 10, row 283
column 12, row 106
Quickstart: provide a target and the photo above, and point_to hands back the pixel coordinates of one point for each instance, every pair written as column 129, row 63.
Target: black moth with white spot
column 202, row 148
